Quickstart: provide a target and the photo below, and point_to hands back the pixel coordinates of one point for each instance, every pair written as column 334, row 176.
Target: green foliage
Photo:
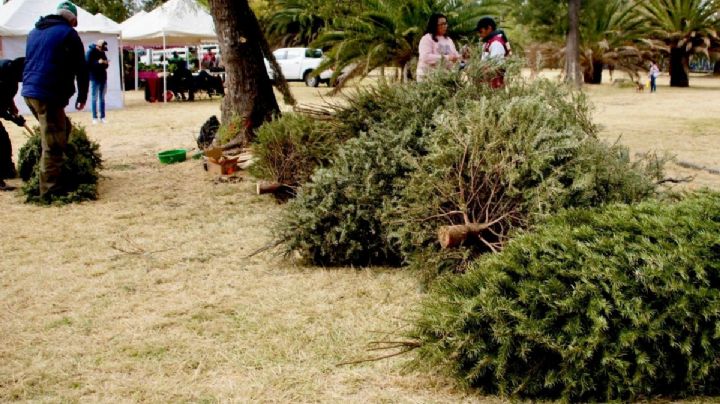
column 298, row 22
column 288, row 149
column 618, row 303
column 382, row 198
column 230, row 129
column 80, row 168
column 116, row 10
column 29, row 156
column 335, row 219
column 387, row 32
column 507, row 159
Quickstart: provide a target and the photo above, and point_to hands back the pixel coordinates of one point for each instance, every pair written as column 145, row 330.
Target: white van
column 297, row 64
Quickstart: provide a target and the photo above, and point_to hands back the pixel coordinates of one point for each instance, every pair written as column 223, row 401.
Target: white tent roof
column 131, row 21
column 18, row 18
column 106, row 25
column 179, row 21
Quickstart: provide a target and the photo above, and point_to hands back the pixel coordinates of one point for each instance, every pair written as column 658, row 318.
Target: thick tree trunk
column 249, row 91
column 679, row 68
column 594, row 76
column 573, row 74
column 716, row 70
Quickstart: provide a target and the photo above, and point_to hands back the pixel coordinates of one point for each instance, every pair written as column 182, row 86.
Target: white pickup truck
column 297, row 64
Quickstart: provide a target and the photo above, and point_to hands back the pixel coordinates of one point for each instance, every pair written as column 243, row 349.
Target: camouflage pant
column 7, row 169
column 54, row 131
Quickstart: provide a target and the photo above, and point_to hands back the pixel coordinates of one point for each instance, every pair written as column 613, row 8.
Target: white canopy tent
column 18, row 18
column 127, row 24
column 177, row 22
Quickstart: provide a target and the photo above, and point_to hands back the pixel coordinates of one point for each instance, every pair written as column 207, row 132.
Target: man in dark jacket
column 10, row 74
column 54, row 61
column 98, row 64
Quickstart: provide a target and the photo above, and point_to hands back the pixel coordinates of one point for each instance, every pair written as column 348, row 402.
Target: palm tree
column 298, row 22
column 684, row 27
column 611, row 34
column 572, row 48
column 387, row 33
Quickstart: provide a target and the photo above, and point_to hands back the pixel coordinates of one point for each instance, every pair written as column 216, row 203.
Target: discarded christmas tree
column 617, row 303
column 80, row 168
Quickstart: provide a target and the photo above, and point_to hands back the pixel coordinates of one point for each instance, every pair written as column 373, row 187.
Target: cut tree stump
column 453, row 236
column 265, row 187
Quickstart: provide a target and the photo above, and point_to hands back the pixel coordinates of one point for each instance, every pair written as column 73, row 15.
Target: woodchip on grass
column 147, row 294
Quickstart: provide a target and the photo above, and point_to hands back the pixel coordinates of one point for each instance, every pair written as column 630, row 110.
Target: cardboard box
column 214, row 153
column 222, row 167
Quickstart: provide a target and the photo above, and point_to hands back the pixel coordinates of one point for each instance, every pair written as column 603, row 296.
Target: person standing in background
column 11, row 72
column 653, row 75
column 54, row 61
column 97, row 65
column 495, row 47
column 436, row 49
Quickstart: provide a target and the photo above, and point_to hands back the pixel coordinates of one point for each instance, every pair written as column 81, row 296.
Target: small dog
column 639, row 87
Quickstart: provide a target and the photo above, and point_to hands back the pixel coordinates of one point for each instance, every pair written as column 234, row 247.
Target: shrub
column 80, row 168
column 504, row 161
column 230, row 129
column 530, row 148
column 617, row 303
column 336, row 217
column 290, row 148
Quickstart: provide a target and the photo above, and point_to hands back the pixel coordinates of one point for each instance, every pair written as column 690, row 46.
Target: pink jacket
column 431, row 54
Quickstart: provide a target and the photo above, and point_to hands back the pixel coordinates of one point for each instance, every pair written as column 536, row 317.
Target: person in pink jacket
column 436, row 48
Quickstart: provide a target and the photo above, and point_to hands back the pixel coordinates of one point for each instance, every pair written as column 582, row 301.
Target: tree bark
column 249, row 90
column 573, row 74
column 679, row 68
column 716, row 70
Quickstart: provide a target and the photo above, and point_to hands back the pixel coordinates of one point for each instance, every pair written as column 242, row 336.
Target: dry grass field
column 148, row 295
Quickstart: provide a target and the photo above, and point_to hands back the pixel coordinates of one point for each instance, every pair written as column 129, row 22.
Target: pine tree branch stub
column 453, row 236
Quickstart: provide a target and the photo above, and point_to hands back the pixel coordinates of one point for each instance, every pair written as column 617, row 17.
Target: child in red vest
column 495, row 46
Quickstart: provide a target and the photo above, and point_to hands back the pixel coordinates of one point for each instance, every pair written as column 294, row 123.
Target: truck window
column 280, row 54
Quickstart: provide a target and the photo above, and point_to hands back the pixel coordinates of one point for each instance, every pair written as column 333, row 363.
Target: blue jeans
column 653, row 85
column 98, row 90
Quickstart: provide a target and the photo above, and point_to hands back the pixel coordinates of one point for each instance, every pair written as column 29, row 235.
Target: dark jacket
column 54, row 59
column 8, row 87
column 98, row 71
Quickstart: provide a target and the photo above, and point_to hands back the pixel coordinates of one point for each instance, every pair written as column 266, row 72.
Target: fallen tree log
column 453, row 236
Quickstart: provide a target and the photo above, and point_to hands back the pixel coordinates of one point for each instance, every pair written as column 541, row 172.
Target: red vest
column 499, row 80
column 496, row 38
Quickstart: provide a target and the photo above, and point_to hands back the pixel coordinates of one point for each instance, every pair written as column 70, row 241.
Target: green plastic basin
column 172, row 156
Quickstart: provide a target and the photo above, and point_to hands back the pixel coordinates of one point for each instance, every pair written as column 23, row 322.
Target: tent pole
column 164, row 59
column 122, row 69
column 135, row 49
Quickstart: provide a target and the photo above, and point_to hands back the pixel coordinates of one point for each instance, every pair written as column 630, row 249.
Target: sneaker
column 103, row 120
column 94, row 121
